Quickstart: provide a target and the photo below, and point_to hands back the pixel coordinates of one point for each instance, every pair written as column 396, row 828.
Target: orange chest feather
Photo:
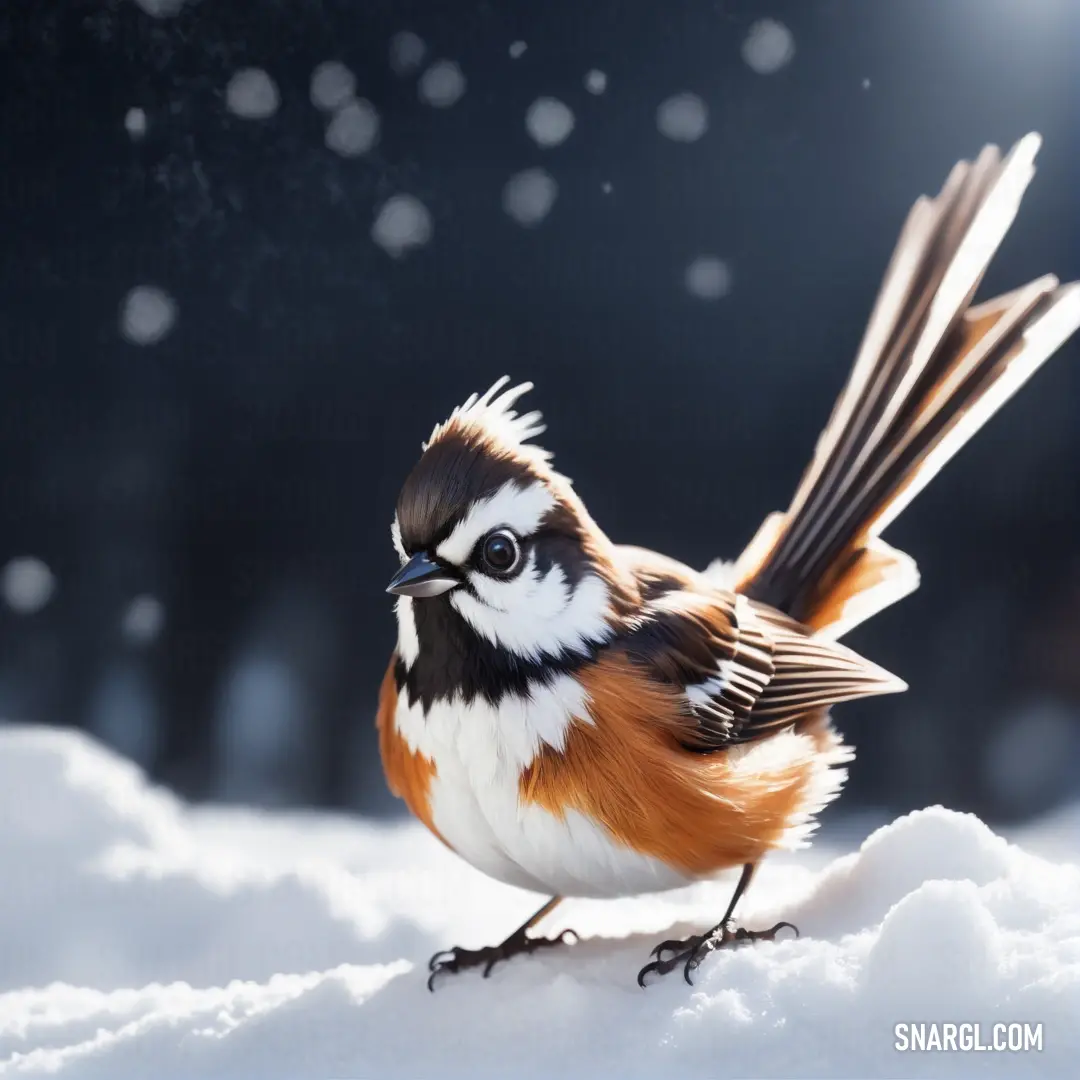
column 408, row 774
column 626, row 770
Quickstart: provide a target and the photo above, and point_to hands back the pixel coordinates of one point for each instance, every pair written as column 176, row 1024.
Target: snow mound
column 142, row 937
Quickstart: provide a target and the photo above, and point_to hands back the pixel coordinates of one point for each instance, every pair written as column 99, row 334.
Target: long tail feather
column 931, row 370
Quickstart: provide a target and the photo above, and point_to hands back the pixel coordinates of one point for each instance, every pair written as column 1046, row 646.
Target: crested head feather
column 491, row 416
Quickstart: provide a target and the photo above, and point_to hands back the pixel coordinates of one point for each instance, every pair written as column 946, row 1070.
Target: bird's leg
column 458, row 959
column 692, row 950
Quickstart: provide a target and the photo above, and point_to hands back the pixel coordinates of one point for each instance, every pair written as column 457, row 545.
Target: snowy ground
column 140, row 939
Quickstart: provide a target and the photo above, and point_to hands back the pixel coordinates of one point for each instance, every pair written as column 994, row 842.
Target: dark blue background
column 244, row 469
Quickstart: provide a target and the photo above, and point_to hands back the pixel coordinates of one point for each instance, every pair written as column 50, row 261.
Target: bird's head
column 495, row 545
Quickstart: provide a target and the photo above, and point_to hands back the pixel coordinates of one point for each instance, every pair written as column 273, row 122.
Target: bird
column 583, row 718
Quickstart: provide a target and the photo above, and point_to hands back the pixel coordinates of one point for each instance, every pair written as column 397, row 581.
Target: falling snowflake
column 683, row 117
column 135, row 123
column 161, row 9
column 708, row 278
column 517, row 49
column 442, row 84
column 595, row 82
column 252, row 95
column 549, row 121
column 529, row 195
column 402, row 222
column 354, row 129
column 407, row 52
column 332, row 85
column 27, row 584
column 147, row 315
column 143, row 620
column 769, row 45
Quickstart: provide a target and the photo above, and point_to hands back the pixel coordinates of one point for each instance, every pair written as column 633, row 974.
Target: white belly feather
column 479, row 751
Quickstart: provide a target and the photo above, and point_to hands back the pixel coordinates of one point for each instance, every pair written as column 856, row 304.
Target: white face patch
column 517, row 508
column 534, row 613
column 399, row 547
column 408, row 641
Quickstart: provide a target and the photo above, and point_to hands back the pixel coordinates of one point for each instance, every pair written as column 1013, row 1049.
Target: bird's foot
column 451, row 961
column 692, row 950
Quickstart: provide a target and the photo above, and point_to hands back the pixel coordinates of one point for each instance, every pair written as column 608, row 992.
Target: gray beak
column 422, row 577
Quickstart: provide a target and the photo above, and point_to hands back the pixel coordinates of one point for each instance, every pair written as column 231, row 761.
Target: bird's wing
column 745, row 670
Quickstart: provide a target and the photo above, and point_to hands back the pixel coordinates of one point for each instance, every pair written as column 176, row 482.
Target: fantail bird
column 582, row 718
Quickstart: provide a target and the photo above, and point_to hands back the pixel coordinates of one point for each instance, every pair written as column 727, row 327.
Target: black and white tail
column 931, row 370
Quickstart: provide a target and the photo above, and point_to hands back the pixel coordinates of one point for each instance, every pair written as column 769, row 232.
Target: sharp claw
column 693, row 950
column 646, row 970
column 436, row 961
column 457, row 959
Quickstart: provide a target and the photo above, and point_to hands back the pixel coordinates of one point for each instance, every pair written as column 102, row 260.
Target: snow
column 147, row 315
column 683, row 117
column 26, row 584
column 768, row 46
column 354, row 129
column 708, row 278
column 402, row 223
column 548, row 121
column 143, row 620
column 135, row 123
column 407, row 52
column 517, row 49
column 332, row 86
column 142, row 937
column 595, row 81
column 442, row 84
column 252, row 95
column 529, row 196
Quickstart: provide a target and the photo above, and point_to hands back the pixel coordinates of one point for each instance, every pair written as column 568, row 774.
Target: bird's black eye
column 500, row 551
